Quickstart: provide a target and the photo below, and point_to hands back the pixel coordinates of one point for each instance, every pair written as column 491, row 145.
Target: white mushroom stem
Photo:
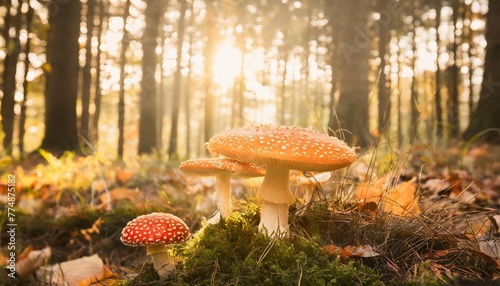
column 276, row 198
column 222, row 196
column 161, row 260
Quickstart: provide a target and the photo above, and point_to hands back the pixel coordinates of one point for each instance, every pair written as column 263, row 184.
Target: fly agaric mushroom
column 280, row 149
column 156, row 231
column 223, row 169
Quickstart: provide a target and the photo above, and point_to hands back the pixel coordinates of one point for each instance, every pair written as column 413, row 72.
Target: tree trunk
column 487, row 113
column 384, row 100
column 332, row 11
column 209, row 59
column 61, row 89
column 414, row 89
column 27, row 48
column 148, row 120
column 453, row 116
column 9, row 79
column 98, row 94
column 86, row 74
column 121, row 95
column 352, row 108
column 172, row 146
column 187, row 95
column 437, row 97
column 282, row 94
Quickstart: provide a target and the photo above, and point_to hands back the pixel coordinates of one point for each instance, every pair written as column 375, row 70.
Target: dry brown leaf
column 71, row 272
column 94, row 229
column 491, row 248
column 351, row 251
column 30, row 260
column 105, row 278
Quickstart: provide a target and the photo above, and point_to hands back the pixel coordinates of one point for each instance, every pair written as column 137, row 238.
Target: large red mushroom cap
column 286, row 147
column 154, row 229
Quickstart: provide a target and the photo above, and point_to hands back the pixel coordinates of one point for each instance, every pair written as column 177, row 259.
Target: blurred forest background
column 126, row 77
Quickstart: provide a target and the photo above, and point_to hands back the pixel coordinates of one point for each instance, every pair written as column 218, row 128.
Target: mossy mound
column 234, row 252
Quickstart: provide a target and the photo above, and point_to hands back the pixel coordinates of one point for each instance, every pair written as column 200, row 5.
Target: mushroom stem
column 274, row 219
column 161, row 260
column 276, row 197
column 222, row 195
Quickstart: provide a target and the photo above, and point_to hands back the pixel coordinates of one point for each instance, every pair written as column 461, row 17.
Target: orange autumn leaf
column 351, row 251
column 400, row 199
column 106, row 277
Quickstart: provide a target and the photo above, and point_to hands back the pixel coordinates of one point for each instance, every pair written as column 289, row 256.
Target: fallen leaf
column 70, row 272
column 400, row 199
column 94, row 229
column 106, row 277
column 30, row 260
column 490, row 247
column 351, row 251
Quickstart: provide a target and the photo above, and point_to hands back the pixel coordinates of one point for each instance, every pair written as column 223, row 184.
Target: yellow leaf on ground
column 400, row 199
column 105, row 278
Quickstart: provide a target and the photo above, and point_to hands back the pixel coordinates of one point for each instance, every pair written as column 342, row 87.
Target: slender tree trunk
column 27, row 48
column 121, row 95
column 332, row 10
column 354, row 44
column 437, row 97
column 86, row 74
column 98, row 93
column 470, row 54
column 486, row 117
column 148, row 99
column 187, row 94
column 9, row 79
column 282, row 95
column 384, row 100
column 453, row 116
column 209, row 59
column 62, row 80
column 172, row 147
column 161, row 97
column 414, row 90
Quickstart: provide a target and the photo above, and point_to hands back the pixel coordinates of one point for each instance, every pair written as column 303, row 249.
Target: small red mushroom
column 156, row 231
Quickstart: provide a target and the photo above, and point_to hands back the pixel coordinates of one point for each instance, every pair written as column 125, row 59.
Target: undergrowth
column 235, row 252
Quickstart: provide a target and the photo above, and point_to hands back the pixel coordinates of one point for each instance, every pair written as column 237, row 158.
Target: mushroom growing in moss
column 280, row 149
column 156, row 231
column 222, row 169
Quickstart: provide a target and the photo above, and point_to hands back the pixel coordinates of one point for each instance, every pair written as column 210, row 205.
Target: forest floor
column 420, row 216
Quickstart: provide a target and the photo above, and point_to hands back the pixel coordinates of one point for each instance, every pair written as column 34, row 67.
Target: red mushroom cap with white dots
column 284, row 147
column 154, row 229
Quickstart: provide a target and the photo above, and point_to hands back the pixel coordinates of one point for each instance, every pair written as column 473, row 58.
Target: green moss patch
column 234, row 252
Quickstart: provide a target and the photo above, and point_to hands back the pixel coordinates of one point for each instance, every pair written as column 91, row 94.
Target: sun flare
column 227, row 65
